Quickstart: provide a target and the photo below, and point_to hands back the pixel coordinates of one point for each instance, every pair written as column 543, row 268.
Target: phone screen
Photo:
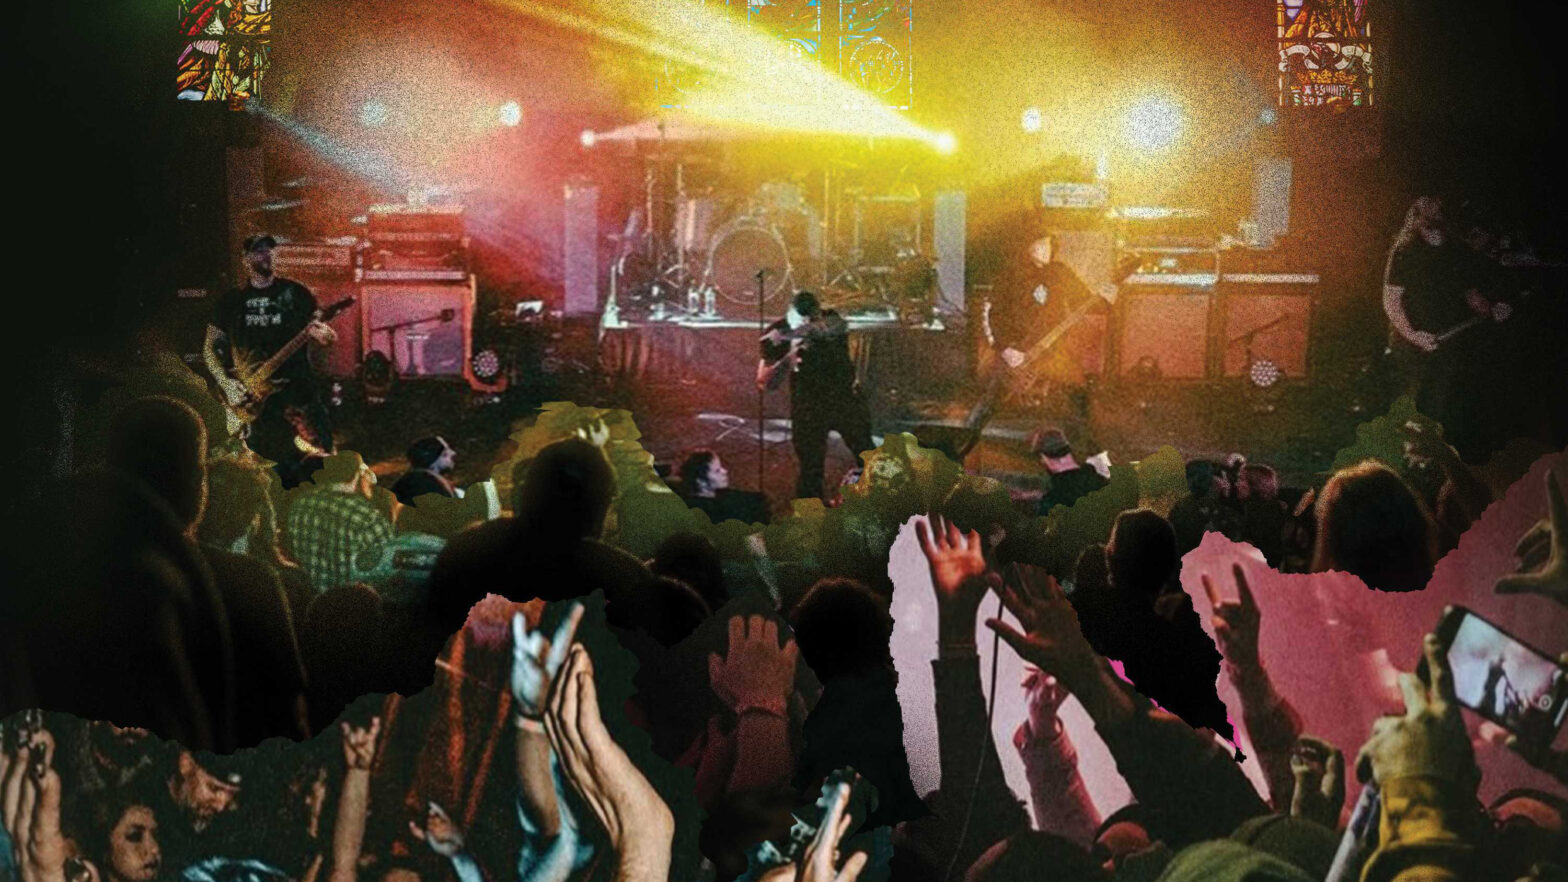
column 1507, row 681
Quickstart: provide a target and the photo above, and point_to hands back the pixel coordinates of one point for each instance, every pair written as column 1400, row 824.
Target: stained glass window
column 872, row 50
column 1325, row 53
column 875, row 38
column 226, row 49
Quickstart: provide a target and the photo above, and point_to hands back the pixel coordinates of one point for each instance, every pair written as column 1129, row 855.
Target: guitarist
column 259, row 319
column 1435, row 295
column 1033, row 296
column 811, row 346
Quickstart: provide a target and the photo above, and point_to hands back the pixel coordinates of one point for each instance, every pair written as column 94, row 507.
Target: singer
column 811, row 345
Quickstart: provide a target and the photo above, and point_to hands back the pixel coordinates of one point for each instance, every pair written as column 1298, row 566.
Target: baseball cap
column 1051, row 442
column 259, row 241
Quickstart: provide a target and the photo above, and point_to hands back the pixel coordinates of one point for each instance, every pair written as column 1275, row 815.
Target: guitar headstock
column 335, row 309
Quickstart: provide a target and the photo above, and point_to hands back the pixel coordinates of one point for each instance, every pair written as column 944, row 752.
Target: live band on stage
column 1067, row 295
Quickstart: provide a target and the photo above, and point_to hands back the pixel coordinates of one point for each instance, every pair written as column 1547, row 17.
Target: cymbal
column 681, row 158
column 277, row 205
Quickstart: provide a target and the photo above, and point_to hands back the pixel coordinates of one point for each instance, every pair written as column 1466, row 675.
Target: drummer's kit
column 690, row 252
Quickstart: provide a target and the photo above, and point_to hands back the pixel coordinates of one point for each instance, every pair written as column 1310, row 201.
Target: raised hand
column 1319, row 770
column 1045, row 696
column 755, row 673
column 30, row 807
column 1051, row 639
column 1236, row 622
column 315, row 798
column 1551, row 578
column 535, row 662
column 440, row 832
column 321, row 333
column 639, row 825
column 1430, row 739
column 818, row 862
column 958, row 570
column 596, row 433
column 359, row 744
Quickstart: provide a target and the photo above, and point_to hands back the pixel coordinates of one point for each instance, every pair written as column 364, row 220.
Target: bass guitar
column 1030, row 372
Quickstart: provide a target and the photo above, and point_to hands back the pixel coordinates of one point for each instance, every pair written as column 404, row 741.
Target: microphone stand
column 762, row 389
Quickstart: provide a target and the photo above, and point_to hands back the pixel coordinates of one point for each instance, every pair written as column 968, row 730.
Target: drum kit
column 695, row 252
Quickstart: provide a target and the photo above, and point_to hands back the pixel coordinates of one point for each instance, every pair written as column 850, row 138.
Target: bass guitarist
column 1038, row 300
column 255, row 321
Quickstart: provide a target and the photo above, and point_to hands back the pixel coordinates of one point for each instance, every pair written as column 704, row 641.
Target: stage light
column 945, row 142
column 511, row 114
column 588, row 138
column 1033, row 120
column 374, row 113
column 377, row 376
column 1264, row 373
column 1153, row 125
column 1268, row 117
column 487, row 365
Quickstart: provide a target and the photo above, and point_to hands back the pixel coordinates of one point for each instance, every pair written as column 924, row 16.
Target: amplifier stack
column 415, row 293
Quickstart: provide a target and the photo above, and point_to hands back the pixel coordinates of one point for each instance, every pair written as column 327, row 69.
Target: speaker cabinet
column 1162, row 332
column 581, row 251
column 947, row 243
column 425, row 329
column 1271, row 321
column 1271, row 197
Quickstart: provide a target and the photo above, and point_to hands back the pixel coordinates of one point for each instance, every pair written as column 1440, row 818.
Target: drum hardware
column 686, row 249
column 653, row 272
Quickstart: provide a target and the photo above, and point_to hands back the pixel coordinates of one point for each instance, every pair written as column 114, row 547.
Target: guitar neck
column 271, row 365
column 1061, row 328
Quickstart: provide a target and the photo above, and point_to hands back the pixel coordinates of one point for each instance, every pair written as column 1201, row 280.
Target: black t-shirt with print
column 260, row 321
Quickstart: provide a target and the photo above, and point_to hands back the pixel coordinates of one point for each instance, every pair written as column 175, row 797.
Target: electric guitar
column 245, row 388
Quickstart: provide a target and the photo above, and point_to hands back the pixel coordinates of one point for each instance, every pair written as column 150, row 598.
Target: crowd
column 194, row 598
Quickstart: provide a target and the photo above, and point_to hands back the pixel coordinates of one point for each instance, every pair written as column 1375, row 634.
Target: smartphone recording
column 1505, row 680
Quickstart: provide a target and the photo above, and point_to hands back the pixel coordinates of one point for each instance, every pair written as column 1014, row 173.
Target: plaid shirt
column 327, row 528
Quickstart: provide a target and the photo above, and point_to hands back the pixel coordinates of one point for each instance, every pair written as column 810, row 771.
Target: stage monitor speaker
column 581, row 252
column 1162, row 332
column 1271, row 197
column 1272, row 320
column 425, row 329
column 947, row 245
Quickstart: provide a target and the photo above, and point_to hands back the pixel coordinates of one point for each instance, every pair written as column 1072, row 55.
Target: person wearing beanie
column 430, row 460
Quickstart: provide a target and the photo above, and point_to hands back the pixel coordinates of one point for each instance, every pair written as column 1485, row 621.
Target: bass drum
column 739, row 250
